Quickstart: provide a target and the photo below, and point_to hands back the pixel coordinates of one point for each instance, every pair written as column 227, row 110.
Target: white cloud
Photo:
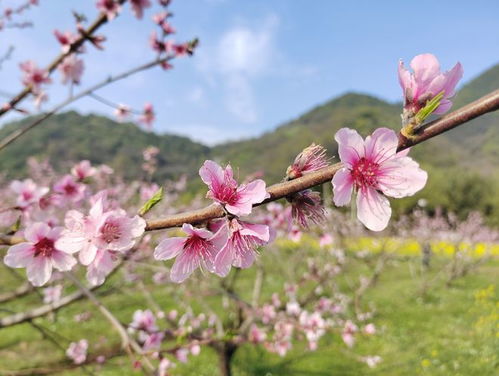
column 207, row 134
column 240, row 99
column 196, row 95
column 242, row 54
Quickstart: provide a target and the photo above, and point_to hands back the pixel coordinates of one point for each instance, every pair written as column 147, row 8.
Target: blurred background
column 268, row 79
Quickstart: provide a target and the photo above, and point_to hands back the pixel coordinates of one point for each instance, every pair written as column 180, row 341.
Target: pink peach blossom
column 28, row 192
column 238, row 200
column 312, row 158
column 306, row 206
column 198, row 249
column 110, row 8
column 77, row 351
column 148, row 116
column 69, row 190
column 71, row 69
column 65, row 39
column 374, row 170
column 100, row 230
column 144, row 320
column 83, row 170
column 39, row 254
column 34, row 76
column 240, row 248
column 138, row 7
column 426, row 82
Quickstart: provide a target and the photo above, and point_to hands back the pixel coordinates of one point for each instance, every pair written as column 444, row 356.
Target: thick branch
column 486, row 104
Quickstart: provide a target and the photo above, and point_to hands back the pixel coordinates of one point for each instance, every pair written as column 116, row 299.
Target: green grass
column 445, row 331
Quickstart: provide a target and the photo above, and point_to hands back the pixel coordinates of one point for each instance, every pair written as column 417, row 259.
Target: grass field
column 437, row 330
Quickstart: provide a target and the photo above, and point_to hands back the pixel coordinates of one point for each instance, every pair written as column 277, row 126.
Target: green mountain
column 472, row 144
column 463, row 163
column 70, row 137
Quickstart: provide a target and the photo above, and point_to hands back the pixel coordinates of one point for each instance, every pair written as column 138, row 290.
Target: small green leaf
column 430, row 106
column 156, row 198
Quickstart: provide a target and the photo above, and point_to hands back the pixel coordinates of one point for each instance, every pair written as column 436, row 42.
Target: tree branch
column 486, row 104
column 101, row 20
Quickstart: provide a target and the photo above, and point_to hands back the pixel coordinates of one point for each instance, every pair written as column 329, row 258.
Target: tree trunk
column 225, row 353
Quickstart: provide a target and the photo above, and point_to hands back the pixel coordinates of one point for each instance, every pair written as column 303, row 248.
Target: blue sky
column 260, row 62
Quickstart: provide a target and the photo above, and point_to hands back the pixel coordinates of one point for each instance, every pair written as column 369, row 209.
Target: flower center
column 199, row 246
column 110, row 232
column 365, row 173
column 70, row 189
column 44, row 247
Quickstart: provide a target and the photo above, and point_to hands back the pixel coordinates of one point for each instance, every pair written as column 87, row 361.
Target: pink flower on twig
column 374, row 170
column 237, row 200
column 39, row 254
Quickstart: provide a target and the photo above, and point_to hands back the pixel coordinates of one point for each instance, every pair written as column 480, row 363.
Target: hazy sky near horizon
column 260, row 63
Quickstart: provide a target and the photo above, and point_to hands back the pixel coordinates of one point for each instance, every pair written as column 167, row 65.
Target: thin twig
column 18, row 133
column 101, row 20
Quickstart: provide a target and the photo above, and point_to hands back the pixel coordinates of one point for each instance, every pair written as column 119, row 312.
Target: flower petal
column 381, row 145
column 373, row 209
column 401, row 177
column 350, row 146
column 36, row 231
column 19, row 255
column 184, row 265
column 39, row 271
column 62, row 261
column 342, row 187
column 223, row 260
column 169, row 248
column 212, row 174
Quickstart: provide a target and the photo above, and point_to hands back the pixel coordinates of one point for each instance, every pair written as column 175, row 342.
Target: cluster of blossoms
column 226, row 242
column 96, row 237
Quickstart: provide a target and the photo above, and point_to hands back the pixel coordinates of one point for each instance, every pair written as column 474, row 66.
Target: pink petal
column 445, row 106
column 169, row 248
column 36, row 231
column 219, row 239
column 55, row 233
column 244, row 259
column 373, row 209
column 71, row 242
column 255, row 192
column 62, row 261
column 452, row 77
column 253, row 229
column 39, row 271
column 137, row 226
column 184, row 265
column 223, row 260
column 381, row 145
column 193, row 231
column 401, row 177
column 426, row 67
column 212, row 174
column 87, row 254
column 19, row 255
column 342, row 187
column 404, row 77
column 350, row 146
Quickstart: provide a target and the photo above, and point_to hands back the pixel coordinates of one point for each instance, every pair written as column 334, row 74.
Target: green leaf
column 156, row 198
column 429, row 107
